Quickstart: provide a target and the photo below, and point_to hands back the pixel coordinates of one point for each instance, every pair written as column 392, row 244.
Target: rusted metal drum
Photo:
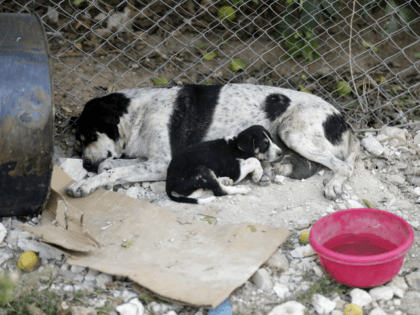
column 26, row 115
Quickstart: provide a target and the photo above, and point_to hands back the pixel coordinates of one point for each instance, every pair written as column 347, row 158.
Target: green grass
column 45, row 300
column 323, row 286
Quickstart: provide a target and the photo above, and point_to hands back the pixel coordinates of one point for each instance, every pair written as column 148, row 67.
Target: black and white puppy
column 218, row 164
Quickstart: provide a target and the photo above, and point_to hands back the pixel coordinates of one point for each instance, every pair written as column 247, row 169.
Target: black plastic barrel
column 26, row 115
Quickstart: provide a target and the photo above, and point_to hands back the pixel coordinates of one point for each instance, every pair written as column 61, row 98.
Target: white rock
column 132, row 192
column 279, row 179
column 413, row 280
column 102, row 279
column 337, row 312
column 382, row 293
column 289, row 308
column 281, row 290
column 4, row 257
column 322, row 305
column 73, row 168
column 68, row 288
column 3, row 233
column 302, row 224
column 353, row 204
column 398, row 282
column 128, row 295
column 415, row 224
column 377, row 311
column 262, row 279
column 373, row 146
column 360, row 297
column 80, row 310
column 158, row 187
column 134, row 307
column 52, row 14
column 318, row 271
column 91, row 275
column 395, row 179
column 77, row 269
column 278, row 262
column 45, row 251
column 15, row 235
column 302, row 251
column 171, row 313
column 394, row 131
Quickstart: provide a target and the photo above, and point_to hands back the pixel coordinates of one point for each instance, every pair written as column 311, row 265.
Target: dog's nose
column 89, row 166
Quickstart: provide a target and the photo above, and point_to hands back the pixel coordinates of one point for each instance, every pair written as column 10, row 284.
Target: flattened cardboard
column 194, row 263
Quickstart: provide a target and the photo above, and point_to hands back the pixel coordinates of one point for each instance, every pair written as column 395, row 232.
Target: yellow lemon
column 28, row 261
column 304, row 237
column 353, row 309
column 226, row 13
column 343, row 88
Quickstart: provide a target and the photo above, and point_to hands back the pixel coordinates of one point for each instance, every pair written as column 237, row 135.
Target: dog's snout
column 89, row 166
column 87, row 162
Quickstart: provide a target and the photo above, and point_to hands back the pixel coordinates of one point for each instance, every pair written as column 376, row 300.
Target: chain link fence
column 363, row 56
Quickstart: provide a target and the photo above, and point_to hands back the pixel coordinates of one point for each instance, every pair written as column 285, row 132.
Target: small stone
column 360, row 297
column 384, row 293
column 262, row 279
column 377, row 311
column 279, row 179
column 394, row 131
column 413, row 280
column 77, row 269
column 318, row 271
column 322, row 305
column 373, row 146
column 134, row 307
column 73, row 168
column 353, row 204
column 102, row 279
column 302, row 224
column 281, row 290
column 45, row 251
column 158, row 187
column 128, row 295
column 289, row 308
column 278, row 262
column 415, row 224
column 395, row 179
column 79, row 310
column 68, row 288
column 3, row 233
column 410, row 302
column 91, row 275
column 145, row 184
column 132, row 192
column 302, row 251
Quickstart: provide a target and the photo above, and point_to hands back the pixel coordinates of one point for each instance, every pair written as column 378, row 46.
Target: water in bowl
column 359, row 244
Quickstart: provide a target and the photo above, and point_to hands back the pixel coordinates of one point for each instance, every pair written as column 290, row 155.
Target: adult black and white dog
column 218, row 164
column 148, row 126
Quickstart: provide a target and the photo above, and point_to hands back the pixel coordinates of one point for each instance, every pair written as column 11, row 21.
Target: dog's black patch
column 101, row 115
column 334, row 127
column 192, row 115
column 276, row 105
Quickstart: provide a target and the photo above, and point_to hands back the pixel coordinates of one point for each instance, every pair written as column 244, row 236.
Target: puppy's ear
column 112, row 120
column 246, row 143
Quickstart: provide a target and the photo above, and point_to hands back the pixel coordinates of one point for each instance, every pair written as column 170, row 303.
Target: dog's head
column 257, row 142
column 97, row 130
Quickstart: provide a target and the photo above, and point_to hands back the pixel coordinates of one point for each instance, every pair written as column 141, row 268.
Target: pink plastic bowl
column 362, row 271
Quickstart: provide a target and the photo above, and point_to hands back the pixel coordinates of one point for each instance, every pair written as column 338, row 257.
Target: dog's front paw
column 332, row 191
column 242, row 189
column 225, row 181
column 82, row 188
column 257, row 175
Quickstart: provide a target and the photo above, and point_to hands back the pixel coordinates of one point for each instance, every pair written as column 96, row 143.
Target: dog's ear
column 246, row 143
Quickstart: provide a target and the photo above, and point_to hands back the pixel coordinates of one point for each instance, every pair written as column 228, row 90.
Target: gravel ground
column 288, row 283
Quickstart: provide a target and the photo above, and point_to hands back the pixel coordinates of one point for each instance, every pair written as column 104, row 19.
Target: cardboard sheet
column 179, row 259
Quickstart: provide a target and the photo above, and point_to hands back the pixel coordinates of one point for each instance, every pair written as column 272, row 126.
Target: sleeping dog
column 151, row 125
column 214, row 165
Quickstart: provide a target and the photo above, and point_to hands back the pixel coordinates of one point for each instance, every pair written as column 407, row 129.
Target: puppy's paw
column 105, row 166
column 225, row 181
column 264, row 181
column 243, row 190
column 332, row 191
column 257, row 175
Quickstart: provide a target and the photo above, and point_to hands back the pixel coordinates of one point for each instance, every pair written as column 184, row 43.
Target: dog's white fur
column 144, row 134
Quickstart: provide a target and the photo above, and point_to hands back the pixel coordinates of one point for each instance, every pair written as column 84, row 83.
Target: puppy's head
column 257, row 142
column 97, row 132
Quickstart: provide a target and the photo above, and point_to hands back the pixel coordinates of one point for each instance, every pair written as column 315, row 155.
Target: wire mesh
column 362, row 56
